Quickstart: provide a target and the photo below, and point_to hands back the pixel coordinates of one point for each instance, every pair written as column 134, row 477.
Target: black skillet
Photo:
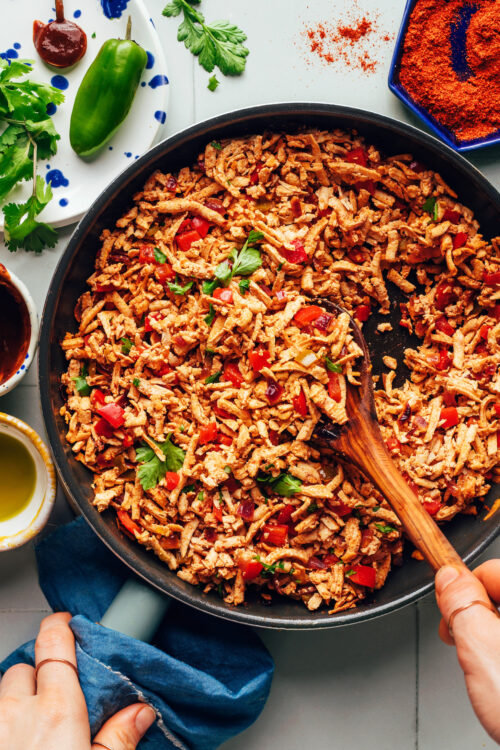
column 469, row 535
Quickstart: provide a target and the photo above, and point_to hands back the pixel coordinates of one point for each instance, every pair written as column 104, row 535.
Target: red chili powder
column 353, row 44
column 469, row 107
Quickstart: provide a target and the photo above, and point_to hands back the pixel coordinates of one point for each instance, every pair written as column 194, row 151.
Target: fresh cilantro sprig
column 284, row 484
column 431, row 207
column 152, row 470
column 270, row 569
column 218, row 44
column 127, row 345
column 242, row 263
column 29, row 134
column 177, row 288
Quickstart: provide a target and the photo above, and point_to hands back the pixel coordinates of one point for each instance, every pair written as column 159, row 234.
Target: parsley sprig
column 218, row 44
column 242, row 263
column 152, row 470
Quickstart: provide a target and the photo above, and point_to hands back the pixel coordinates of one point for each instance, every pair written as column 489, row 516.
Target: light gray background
column 385, row 684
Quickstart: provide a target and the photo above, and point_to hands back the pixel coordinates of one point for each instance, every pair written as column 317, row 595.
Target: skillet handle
column 137, row 610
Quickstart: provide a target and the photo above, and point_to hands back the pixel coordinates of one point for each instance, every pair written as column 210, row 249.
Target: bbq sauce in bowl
column 15, row 328
column 17, row 477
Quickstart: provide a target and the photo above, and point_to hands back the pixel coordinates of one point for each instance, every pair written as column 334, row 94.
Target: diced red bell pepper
column 340, row 508
column 444, row 295
column 274, row 391
column 209, row 433
column 164, row 273
column 364, row 575
column 307, row 315
column 445, row 359
column 450, row 416
column 300, row 404
column 449, row 398
column 250, row 568
column 112, row 413
column 233, row 374
column 323, row 322
column 366, row 185
column 330, row 560
column 224, row 439
column 497, row 409
column 491, row 279
column 185, row 226
column 393, row 443
column 298, row 255
column 127, row 441
column 316, row 564
column 232, row 484
column 259, row 359
column 127, row 522
column 452, row 216
column 334, row 389
column 97, row 398
column 165, row 369
column 147, row 254
column 276, row 534
column 246, row 510
column 103, row 428
column 225, row 295
column 186, row 239
column 171, row 480
column 432, row 506
column 285, row 514
column 200, row 225
column 484, row 332
column 460, row 239
column 217, row 511
column 222, row 413
column 147, row 321
column 357, row 156
column 274, row 437
column 443, row 325
column 362, row 312
column 254, row 177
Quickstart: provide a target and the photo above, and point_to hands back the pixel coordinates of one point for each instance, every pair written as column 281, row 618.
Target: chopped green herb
column 188, row 488
column 212, row 83
column 332, row 366
column 284, row 484
column 223, row 273
column 216, row 44
column 244, row 286
column 281, row 266
column 350, row 573
column 182, row 428
column 152, row 470
column 244, row 263
column 216, row 144
column 178, row 289
column 127, row 345
column 213, row 378
column 136, row 382
column 209, row 352
column 313, row 507
column 81, row 385
column 227, row 469
column 209, row 319
column 93, row 35
column 200, row 496
column 159, row 256
column 270, row 569
column 376, row 508
column 208, row 287
column 431, row 206
column 384, row 528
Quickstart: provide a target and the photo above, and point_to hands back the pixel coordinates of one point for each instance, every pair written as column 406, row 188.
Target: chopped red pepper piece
column 444, row 295
column 225, row 295
column 97, row 397
column 224, row 439
column 307, row 315
column 491, row 278
column 171, row 480
column 393, row 443
column 443, row 325
column 147, row 254
column 127, row 522
column 366, row 185
column 497, row 409
column 164, row 273
column 449, row 398
column 276, row 534
column 285, row 514
column 340, row 508
column 254, row 177
column 103, row 428
column 233, row 374
column 364, row 575
column 445, row 360
column 357, row 156
column 112, row 413
column 362, row 312
column 259, row 359
column 274, row 391
column 274, row 437
column 186, row 239
column 222, row 413
column 250, row 568
column 127, row 441
column 200, row 225
column 334, row 390
column 208, row 434
column 452, row 216
column 484, row 332
column 217, row 511
column 432, row 506
column 246, row 510
column 460, row 239
column 300, row 404
column 298, row 255
column 450, row 416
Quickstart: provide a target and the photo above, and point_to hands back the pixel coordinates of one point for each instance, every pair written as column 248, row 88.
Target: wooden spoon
column 360, row 442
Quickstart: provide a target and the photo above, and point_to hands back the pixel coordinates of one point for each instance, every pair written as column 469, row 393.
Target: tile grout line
column 417, row 673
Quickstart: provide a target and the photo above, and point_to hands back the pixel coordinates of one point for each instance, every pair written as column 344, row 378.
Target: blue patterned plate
column 77, row 183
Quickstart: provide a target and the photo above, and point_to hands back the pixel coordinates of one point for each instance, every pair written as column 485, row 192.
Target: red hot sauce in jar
column 60, row 43
column 15, row 327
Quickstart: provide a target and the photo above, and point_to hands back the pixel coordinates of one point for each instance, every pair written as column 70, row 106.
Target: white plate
column 77, row 183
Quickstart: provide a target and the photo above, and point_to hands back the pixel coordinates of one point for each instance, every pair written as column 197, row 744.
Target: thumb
column 124, row 730
column 457, row 588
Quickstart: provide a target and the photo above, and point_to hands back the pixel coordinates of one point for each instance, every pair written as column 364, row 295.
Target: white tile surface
column 343, row 689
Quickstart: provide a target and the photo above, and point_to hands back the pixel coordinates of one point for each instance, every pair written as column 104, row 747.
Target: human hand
column 476, row 634
column 51, row 714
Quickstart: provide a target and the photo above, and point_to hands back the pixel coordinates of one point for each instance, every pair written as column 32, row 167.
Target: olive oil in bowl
column 17, row 477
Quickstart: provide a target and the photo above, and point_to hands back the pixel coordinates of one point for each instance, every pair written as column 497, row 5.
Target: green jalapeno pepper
column 106, row 94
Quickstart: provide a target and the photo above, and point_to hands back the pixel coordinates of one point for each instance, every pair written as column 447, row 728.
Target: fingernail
column 144, row 719
column 445, row 576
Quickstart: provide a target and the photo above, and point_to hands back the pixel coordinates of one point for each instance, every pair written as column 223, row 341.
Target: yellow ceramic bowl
column 30, row 521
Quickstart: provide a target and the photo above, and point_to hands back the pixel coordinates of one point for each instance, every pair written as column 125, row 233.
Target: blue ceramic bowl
column 459, row 64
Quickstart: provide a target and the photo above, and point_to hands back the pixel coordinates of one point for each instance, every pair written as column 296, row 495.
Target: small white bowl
column 33, row 343
column 22, row 527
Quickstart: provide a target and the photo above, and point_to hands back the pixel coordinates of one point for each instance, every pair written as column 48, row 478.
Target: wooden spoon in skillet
column 360, row 442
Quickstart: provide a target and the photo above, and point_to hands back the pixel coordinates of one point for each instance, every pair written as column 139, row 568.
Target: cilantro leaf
column 152, row 470
column 178, row 289
column 244, row 286
column 21, row 227
column 244, row 263
column 332, row 366
column 159, row 256
column 218, row 44
column 224, row 273
column 81, row 385
column 208, row 287
column 431, row 207
column 127, row 345
column 270, row 569
column 213, row 378
column 248, row 261
column 212, row 83
column 284, row 484
column 216, row 144
column 209, row 319
column 384, row 528
column 136, row 382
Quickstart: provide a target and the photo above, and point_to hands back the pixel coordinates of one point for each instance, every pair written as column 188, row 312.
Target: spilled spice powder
column 467, row 103
column 354, row 43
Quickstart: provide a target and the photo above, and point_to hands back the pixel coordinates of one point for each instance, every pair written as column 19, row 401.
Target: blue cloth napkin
column 207, row 679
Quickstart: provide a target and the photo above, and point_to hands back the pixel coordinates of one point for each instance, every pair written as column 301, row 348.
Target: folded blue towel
column 207, row 679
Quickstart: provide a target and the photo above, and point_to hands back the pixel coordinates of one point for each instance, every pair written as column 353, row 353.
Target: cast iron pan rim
column 95, row 520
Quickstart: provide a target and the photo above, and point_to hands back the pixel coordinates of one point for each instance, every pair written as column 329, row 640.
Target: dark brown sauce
column 60, row 43
column 15, row 327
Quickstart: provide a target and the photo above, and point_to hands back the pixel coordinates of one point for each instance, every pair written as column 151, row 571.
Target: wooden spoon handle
column 420, row 527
